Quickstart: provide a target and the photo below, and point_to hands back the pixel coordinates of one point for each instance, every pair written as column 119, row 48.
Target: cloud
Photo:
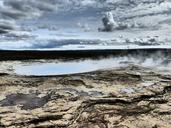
column 26, row 8
column 16, row 9
column 7, row 26
column 12, row 10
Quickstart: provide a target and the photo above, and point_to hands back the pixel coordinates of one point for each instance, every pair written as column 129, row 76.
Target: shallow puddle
column 27, row 101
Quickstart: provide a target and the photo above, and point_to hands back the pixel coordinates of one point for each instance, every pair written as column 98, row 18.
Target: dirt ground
column 131, row 97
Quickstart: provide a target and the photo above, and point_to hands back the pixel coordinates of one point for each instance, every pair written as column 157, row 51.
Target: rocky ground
column 132, row 97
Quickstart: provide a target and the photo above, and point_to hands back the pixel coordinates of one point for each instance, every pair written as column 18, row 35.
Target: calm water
column 72, row 67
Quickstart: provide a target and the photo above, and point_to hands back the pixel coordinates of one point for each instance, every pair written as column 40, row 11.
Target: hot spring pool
column 81, row 66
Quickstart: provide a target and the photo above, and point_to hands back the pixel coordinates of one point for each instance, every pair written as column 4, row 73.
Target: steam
column 159, row 62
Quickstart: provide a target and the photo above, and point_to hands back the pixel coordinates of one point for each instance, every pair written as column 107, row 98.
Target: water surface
column 88, row 65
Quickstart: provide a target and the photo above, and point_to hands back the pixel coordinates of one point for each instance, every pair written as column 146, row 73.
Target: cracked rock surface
column 131, row 97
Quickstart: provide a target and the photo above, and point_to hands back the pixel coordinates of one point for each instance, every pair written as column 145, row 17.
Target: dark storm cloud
column 6, row 26
column 16, row 9
column 26, row 5
column 11, row 10
column 26, row 8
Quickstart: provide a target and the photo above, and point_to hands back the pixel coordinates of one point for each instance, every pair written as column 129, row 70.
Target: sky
column 14, row 10
column 47, row 21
